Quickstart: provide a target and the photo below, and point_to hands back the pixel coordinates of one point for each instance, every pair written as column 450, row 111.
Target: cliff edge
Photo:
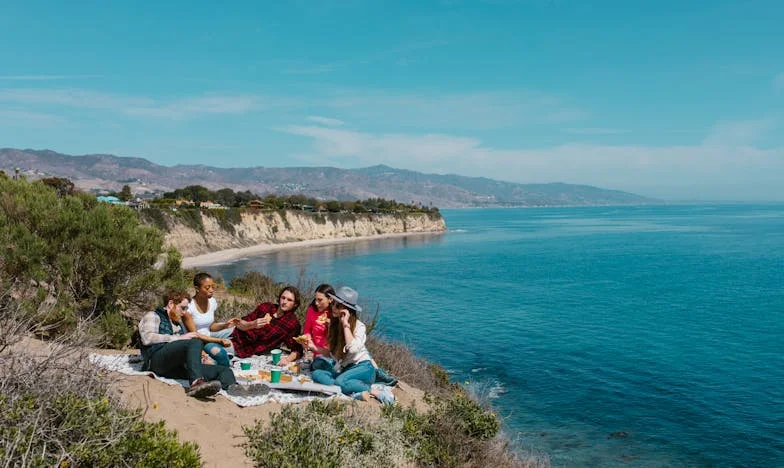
column 195, row 232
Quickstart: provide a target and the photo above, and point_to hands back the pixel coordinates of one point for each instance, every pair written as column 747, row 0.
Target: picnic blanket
column 291, row 392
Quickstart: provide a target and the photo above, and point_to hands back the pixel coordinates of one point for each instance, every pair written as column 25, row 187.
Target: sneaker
column 384, row 378
column 237, row 390
column 200, row 388
column 386, row 397
column 362, row 396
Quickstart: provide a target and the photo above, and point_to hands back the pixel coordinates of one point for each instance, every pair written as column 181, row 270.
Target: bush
column 113, row 330
column 330, row 434
column 191, row 217
column 155, row 217
column 55, row 409
column 79, row 257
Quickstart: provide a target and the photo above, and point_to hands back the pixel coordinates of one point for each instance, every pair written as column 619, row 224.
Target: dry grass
column 55, row 409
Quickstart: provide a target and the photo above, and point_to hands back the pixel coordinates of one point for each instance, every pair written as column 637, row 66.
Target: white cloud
column 326, row 121
column 175, row 109
column 729, row 170
column 46, row 77
column 468, row 111
column 12, row 117
column 595, row 131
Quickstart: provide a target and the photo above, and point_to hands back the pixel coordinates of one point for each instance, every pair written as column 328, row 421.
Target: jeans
column 354, row 379
column 182, row 360
column 218, row 354
column 323, row 363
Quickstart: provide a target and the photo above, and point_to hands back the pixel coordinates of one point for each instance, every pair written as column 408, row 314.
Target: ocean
column 605, row 336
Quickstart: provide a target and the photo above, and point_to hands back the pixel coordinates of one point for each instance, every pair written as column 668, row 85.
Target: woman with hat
column 353, row 372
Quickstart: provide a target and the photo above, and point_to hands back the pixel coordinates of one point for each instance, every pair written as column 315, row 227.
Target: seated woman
column 353, row 372
column 269, row 326
column 200, row 318
column 316, row 329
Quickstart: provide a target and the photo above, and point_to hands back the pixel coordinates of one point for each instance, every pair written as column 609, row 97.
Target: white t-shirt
column 203, row 320
column 356, row 351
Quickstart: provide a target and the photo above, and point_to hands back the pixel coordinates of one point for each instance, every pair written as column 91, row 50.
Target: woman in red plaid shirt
column 268, row 326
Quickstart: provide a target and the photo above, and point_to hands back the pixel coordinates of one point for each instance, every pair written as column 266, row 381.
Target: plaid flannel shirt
column 261, row 340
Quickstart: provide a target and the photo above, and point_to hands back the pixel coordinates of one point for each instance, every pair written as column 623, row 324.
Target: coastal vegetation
column 195, row 196
column 77, row 273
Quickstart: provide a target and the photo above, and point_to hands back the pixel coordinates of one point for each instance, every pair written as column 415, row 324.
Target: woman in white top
column 353, row 372
column 201, row 319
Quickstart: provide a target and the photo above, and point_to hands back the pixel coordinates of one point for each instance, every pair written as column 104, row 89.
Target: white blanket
column 131, row 364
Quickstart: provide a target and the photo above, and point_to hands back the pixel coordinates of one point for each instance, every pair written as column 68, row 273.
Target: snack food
column 268, row 318
column 286, row 378
column 264, row 375
column 303, row 379
column 302, row 339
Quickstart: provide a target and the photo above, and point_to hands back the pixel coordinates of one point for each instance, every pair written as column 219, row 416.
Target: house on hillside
column 110, row 199
column 256, row 204
column 138, row 204
column 210, row 205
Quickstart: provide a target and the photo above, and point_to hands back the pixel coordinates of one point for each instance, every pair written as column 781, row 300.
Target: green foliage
column 450, row 434
column 88, row 258
column 155, row 217
column 322, row 434
column 227, row 218
column 228, row 198
column 191, row 217
column 254, row 285
column 63, row 186
column 125, row 194
column 89, row 431
column 115, row 330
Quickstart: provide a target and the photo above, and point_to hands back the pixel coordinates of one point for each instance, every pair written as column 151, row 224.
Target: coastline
column 234, row 254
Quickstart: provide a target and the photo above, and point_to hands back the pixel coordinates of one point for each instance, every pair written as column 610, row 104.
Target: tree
column 90, row 258
column 125, row 194
column 63, row 186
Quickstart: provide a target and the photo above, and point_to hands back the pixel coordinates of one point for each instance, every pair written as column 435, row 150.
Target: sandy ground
column 215, row 424
column 228, row 255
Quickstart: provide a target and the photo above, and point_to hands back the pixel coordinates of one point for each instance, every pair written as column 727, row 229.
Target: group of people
column 182, row 339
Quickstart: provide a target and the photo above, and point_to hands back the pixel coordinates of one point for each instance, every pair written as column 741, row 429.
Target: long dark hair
column 336, row 339
column 324, row 289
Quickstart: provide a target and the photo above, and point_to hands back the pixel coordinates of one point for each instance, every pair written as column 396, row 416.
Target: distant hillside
column 107, row 172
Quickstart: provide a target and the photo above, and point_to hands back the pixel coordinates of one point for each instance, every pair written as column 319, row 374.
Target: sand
column 229, row 255
column 216, row 424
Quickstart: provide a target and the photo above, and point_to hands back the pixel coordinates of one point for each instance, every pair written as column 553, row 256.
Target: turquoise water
column 665, row 323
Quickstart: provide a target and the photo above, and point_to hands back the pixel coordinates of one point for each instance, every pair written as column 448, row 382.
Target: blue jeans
column 323, row 363
column 354, row 379
column 218, row 354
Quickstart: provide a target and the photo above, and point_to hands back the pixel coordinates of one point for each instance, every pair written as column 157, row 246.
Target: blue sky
column 674, row 99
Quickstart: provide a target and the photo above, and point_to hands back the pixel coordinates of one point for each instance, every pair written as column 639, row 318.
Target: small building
column 256, row 204
column 210, row 205
column 110, row 199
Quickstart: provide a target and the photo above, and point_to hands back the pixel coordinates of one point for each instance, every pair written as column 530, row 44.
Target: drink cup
column 275, row 374
column 276, row 356
column 245, row 365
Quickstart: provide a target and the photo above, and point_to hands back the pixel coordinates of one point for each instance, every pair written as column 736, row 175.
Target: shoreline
column 238, row 253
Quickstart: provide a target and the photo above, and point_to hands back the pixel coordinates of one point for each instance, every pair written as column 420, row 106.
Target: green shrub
column 324, row 434
column 156, row 217
column 451, row 433
column 191, row 217
column 86, row 257
column 85, row 431
column 113, row 330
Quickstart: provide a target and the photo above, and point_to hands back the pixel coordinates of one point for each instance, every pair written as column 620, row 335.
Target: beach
column 230, row 255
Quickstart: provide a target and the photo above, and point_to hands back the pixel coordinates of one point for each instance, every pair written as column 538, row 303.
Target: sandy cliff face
column 290, row 226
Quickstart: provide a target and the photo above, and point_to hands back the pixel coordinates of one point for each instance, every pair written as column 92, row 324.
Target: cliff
column 194, row 233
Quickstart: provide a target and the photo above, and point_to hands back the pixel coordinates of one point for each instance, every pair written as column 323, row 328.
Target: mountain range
column 105, row 172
